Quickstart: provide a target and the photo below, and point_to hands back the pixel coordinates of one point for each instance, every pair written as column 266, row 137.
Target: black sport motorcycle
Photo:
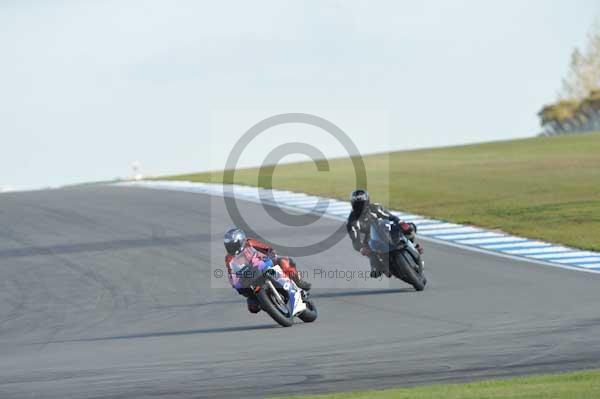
column 397, row 253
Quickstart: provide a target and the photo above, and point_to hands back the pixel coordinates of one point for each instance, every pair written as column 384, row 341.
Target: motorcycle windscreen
column 383, row 236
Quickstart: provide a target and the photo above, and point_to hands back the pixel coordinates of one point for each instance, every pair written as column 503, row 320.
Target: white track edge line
column 426, row 238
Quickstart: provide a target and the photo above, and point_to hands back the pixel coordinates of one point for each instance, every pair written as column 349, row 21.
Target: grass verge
column 543, row 187
column 578, row 385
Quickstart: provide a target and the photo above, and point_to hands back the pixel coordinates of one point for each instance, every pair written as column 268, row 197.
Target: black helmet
column 234, row 240
column 359, row 199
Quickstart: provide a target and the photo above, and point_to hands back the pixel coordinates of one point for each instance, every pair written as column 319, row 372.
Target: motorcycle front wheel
column 270, row 302
column 407, row 270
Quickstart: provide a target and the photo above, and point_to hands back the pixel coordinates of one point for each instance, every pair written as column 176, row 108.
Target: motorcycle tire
column 406, row 270
column 266, row 303
column 310, row 314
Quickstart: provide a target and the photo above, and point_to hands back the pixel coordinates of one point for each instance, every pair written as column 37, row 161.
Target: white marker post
column 135, row 167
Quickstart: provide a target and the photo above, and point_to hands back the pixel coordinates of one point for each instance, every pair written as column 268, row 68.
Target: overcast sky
column 87, row 87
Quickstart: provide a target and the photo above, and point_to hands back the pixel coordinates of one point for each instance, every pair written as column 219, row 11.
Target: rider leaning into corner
column 242, row 251
column 359, row 222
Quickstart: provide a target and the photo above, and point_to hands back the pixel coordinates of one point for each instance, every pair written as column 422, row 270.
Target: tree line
column 578, row 106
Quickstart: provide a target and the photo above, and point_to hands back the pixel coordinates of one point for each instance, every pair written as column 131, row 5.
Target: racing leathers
column 261, row 256
column 359, row 226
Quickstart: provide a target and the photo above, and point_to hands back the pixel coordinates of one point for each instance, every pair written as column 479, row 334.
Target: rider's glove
column 414, row 227
column 406, row 228
column 272, row 254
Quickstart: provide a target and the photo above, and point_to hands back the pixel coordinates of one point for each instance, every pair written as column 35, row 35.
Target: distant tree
column 590, row 108
column 578, row 105
column 584, row 70
column 559, row 118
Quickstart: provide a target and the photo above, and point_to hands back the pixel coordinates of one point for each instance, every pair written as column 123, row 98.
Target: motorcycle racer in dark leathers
column 358, row 226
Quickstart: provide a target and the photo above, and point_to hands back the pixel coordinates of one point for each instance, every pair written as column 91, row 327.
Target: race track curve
column 106, row 292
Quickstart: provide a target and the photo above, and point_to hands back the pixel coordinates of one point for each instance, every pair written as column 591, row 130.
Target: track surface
column 106, row 292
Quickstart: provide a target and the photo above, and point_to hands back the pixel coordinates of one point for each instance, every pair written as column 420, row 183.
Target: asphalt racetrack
column 106, row 292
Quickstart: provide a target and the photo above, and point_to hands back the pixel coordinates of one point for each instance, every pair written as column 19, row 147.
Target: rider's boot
column 305, row 285
column 375, row 273
column 419, row 248
column 378, row 266
column 253, row 305
column 289, row 267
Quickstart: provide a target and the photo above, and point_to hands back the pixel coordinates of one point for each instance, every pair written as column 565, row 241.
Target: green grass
column 543, row 187
column 579, row 385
